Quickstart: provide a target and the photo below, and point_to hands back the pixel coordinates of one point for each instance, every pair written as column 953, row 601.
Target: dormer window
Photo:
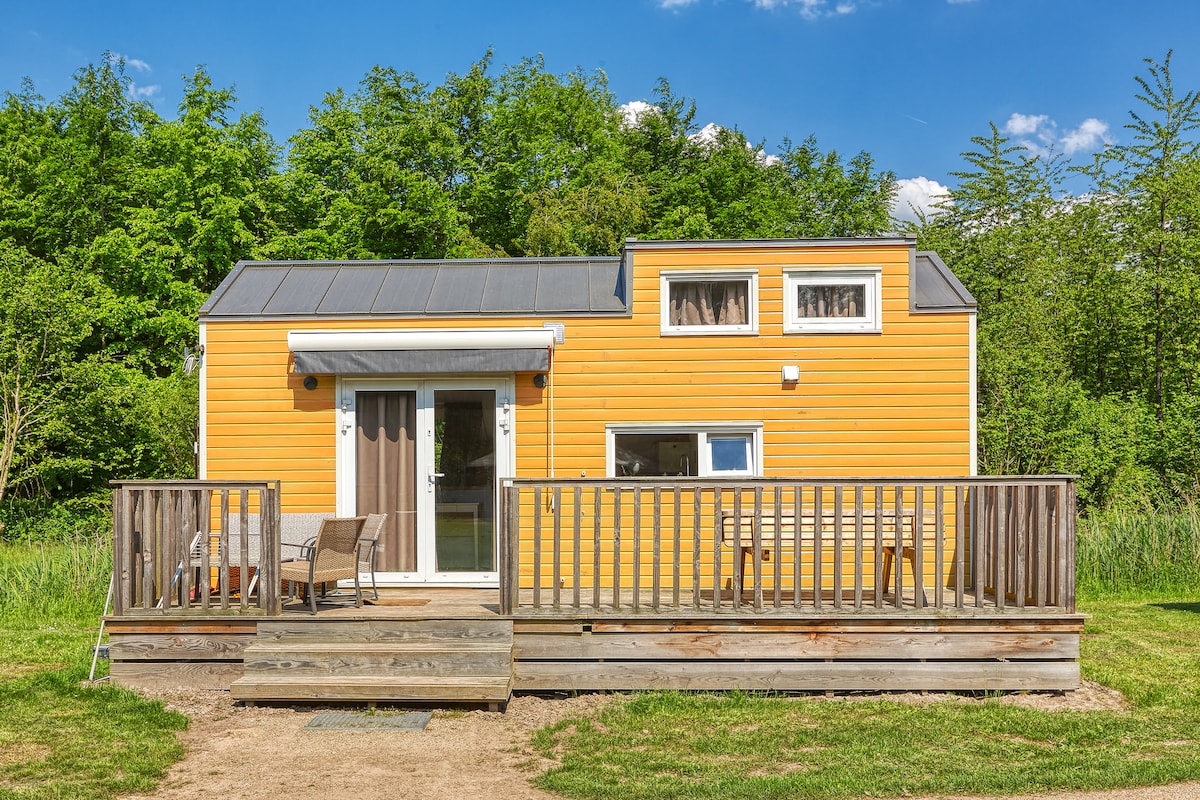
column 709, row 303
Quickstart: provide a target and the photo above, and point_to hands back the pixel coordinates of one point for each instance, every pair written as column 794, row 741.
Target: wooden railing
column 882, row 544
column 196, row 546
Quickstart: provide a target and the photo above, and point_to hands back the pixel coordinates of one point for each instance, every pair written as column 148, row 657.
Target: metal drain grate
column 366, row 721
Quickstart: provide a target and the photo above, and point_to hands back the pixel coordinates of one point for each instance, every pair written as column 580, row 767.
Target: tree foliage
column 1088, row 332
column 116, row 222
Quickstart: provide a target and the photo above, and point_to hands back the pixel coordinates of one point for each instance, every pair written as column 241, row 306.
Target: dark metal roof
column 935, row 288
column 525, row 286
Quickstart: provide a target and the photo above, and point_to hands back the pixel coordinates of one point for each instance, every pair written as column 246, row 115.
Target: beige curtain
column 385, row 469
column 830, row 301
column 708, row 303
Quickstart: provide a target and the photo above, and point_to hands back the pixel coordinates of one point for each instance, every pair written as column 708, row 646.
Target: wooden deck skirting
column 449, row 650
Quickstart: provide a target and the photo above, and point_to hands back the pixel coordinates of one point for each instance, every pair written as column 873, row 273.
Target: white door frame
column 426, row 573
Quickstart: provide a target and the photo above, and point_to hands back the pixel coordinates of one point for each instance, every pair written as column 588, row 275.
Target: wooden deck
column 453, row 646
column 916, row 585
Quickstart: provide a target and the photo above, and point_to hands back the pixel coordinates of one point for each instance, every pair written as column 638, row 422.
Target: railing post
column 1067, row 526
column 504, row 533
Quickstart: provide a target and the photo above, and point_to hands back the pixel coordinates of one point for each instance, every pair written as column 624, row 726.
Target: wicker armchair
column 333, row 556
column 368, row 542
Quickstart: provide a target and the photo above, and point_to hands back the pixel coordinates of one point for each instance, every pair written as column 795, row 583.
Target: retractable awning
column 421, row 351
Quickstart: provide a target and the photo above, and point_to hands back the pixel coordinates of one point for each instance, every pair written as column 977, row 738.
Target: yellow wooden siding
column 890, row 403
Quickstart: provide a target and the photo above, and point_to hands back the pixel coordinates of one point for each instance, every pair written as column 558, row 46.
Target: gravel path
column 264, row 753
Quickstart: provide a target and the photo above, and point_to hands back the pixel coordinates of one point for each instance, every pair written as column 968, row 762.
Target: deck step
column 386, row 660
column 373, row 689
column 456, row 661
column 409, row 630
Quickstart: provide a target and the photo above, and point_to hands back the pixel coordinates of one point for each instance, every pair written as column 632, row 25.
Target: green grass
column 1157, row 552
column 674, row 745
column 60, row 737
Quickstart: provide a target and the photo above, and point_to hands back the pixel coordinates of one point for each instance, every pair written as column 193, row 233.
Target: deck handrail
column 613, row 545
column 175, row 550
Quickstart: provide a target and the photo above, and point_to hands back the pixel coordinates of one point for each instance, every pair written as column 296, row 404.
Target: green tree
column 44, row 314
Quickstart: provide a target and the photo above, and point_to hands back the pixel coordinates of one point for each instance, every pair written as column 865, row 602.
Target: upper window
column 709, row 303
column 668, row 450
column 832, row 300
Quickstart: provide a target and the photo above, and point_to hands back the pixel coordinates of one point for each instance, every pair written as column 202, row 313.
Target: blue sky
column 908, row 81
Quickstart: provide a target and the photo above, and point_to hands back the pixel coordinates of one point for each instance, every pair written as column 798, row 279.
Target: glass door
column 464, row 482
column 428, row 454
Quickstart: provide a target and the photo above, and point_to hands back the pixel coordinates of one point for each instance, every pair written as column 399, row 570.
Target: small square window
column 832, row 301
column 729, row 454
column 709, row 303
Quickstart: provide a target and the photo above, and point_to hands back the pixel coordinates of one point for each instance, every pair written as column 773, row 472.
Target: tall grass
column 1158, row 552
column 61, row 580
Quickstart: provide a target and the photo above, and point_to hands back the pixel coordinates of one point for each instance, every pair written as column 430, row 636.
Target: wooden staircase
column 370, row 661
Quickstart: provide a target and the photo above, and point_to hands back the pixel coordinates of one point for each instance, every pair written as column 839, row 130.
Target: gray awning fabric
column 374, row 352
column 370, row 362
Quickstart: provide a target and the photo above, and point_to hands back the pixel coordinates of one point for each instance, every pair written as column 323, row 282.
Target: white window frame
column 870, row 278
column 667, row 277
column 752, row 431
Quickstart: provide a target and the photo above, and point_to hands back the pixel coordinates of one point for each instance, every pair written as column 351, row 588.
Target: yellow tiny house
column 696, row 465
column 415, row 388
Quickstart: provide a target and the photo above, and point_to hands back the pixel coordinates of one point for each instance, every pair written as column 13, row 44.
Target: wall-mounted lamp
column 539, row 380
column 310, row 382
column 790, row 374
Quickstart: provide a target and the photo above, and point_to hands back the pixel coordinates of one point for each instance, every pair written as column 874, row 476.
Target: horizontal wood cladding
column 773, row 646
column 156, row 675
column 837, row 654
column 167, row 647
column 797, row 676
column 466, row 660
column 896, row 402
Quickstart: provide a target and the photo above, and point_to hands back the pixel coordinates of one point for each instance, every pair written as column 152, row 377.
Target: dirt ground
column 264, row 752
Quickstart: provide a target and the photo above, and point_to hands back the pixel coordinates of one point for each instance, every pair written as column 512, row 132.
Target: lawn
column 674, row 745
column 61, row 737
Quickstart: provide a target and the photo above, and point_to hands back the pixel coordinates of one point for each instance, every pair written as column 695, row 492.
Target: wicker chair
column 368, row 542
column 333, row 556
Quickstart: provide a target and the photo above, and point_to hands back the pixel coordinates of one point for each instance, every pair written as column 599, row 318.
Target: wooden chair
column 332, row 557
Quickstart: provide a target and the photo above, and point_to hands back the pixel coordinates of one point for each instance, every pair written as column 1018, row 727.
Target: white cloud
column 132, row 63
column 1025, row 124
column 143, row 92
column 707, row 135
column 633, row 111
column 917, row 195
column 809, row 9
column 1039, row 134
column 1090, row 135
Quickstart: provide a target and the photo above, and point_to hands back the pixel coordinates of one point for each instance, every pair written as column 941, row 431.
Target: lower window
column 670, row 451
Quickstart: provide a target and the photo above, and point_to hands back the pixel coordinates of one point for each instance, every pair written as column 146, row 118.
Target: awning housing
column 421, row 351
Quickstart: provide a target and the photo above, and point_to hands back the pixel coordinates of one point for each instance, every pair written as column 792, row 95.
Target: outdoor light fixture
column 790, row 374
column 310, row 382
column 539, row 380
